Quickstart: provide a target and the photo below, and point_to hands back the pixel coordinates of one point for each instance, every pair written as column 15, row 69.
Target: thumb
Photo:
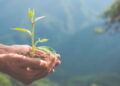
column 21, row 48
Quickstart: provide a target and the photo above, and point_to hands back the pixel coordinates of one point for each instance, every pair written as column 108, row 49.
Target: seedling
column 31, row 33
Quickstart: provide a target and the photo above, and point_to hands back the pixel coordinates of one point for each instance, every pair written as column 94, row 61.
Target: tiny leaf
column 48, row 50
column 44, row 40
column 31, row 13
column 37, row 41
column 23, row 30
column 39, row 18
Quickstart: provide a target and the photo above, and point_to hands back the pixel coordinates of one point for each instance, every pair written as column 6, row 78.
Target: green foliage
column 113, row 12
column 31, row 33
column 42, row 40
column 93, row 80
column 93, row 84
column 49, row 50
column 99, row 31
column 85, row 80
column 23, row 30
column 7, row 81
column 44, row 82
column 31, row 13
column 4, row 80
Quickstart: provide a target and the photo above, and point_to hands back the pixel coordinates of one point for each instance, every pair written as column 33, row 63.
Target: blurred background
column 85, row 33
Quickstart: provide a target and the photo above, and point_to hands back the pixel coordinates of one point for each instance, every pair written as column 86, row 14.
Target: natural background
column 88, row 59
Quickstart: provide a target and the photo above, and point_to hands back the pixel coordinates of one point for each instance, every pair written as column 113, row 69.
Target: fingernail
column 58, row 56
column 59, row 62
column 43, row 63
column 52, row 70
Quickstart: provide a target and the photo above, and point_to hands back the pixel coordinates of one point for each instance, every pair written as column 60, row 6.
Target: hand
column 22, row 49
column 14, row 49
column 26, row 69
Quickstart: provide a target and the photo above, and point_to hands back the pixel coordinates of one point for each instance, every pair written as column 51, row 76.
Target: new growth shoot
column 46, row 49
column 31, row 33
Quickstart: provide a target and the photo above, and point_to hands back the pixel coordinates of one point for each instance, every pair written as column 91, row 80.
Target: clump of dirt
column 42, row 56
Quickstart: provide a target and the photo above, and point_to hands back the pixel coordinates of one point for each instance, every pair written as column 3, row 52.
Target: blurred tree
column 94, row 84
column 113, row 12
column 8, row 81
column 112, row 15
column 5, row 80
column 44, row 82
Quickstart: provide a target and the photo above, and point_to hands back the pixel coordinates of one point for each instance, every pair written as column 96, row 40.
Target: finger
column 43, row 64
column 2, row 51
column 35, row 67
column 52, row 62
column 34, row 63
column 21, row 48
column 6, row 49
column 58, row 63
column 24, row 48
column 53, row 70
column 58, row 56
column 39, row 52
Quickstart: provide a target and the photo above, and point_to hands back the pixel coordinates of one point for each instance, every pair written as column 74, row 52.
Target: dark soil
column 32, row 55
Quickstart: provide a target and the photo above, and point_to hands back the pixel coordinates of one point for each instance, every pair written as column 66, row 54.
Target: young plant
column 31, row 33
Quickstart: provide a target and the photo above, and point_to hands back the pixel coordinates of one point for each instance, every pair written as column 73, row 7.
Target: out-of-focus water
column 88, row 59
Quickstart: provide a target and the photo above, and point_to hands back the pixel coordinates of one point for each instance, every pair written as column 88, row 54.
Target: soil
column 36, row 55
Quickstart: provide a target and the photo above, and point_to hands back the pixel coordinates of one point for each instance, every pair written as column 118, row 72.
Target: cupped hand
column 26, row 69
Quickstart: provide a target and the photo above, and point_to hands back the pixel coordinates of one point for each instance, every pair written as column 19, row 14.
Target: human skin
column 22, row 68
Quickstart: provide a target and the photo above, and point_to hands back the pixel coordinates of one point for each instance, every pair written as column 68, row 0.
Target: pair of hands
column 22, row 68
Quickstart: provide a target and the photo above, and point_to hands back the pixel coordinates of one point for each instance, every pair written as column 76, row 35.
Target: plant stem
column 33, row 37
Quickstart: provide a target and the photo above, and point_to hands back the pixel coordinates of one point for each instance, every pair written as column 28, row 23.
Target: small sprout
column 31, row 33
column 31, row 13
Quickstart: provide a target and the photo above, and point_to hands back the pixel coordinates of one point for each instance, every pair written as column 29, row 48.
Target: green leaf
column 23, row 30
column 38, row 18
column 31, row 13
column 37, row 41
column 48, row 50
column 44, row 40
